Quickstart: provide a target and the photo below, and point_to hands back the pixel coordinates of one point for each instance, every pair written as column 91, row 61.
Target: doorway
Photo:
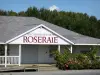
column 43, row 54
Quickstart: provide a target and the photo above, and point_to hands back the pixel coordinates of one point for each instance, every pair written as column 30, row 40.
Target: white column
column 19, row 55
column 6, row 55
column 59, row 48
column 71, row 48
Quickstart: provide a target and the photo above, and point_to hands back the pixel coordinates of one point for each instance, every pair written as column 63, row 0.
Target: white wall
column 40, row 53
column 44, row 54
column 36, row 54
column 52, row 48
column 29, row 54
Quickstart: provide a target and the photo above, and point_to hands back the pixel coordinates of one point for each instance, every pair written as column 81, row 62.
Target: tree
column 79, row 22
column 12, row 13
column 32, row 11
column 21, row 13
column 2, row 12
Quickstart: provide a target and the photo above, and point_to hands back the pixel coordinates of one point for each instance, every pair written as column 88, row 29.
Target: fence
column 11, row 60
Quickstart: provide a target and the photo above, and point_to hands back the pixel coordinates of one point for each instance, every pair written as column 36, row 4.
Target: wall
column 29, row 54
column 64, row 47
column 41, row 53
column 78, row 49
column 44, row 54
column 33, row 53
column 13, row 50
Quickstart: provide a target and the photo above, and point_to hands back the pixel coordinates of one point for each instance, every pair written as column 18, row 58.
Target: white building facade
column 34, row 46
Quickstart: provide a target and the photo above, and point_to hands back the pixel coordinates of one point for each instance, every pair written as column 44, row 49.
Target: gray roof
column 12, row 26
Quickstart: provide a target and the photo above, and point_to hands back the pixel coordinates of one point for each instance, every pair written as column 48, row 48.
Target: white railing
column 11, row 60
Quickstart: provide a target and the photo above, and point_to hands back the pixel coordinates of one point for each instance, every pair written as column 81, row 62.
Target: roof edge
column 88, row 44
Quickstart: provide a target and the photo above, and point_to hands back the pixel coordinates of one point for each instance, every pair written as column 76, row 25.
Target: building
column 28, row 40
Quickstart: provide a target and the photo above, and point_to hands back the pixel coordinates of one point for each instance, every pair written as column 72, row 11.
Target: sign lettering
column 40, row 39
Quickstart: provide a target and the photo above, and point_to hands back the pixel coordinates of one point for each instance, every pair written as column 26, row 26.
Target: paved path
column 73, row 72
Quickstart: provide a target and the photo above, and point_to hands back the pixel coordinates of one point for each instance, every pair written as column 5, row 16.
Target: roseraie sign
column 40, row 36
column 40, row 39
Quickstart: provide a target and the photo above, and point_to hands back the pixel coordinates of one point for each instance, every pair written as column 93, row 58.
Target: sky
column 91, row 7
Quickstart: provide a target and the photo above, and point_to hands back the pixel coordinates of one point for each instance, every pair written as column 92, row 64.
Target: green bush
column 92, row 54
column 95, row 65
column 71, row 61
column 75, row 66
column 98, row 58
column 61, row 58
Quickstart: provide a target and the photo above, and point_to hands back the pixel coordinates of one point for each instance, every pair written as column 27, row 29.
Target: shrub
column 67, row 60
column 75, row 66
column 61, row 58
column 92, row 54
column 98, row 58
column 95, row 65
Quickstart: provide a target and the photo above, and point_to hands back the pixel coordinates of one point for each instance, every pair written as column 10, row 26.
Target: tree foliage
column 75, row 21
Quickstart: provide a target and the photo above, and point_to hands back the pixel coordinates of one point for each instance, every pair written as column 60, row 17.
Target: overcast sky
column 91, row 7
